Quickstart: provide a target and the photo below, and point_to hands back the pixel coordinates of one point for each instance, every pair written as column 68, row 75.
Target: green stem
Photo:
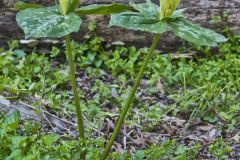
column 74, row 87
column 130, row 98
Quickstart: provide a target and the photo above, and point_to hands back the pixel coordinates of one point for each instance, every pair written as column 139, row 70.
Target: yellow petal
column 167, row 7
column 64, row 4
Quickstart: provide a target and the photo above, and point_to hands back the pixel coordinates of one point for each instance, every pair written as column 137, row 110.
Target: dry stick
column 52, row 115
column 124, row 139
column 130, row 98
column 74, row 87
column 58, row 118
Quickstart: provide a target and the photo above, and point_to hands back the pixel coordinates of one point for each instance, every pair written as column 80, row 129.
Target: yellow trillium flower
column 64, row 5
column 167, row 7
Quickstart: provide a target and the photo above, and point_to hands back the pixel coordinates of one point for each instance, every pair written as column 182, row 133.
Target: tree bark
column 199, row 11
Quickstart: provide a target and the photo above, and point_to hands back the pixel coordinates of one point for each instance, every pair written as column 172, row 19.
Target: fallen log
column 199, row 11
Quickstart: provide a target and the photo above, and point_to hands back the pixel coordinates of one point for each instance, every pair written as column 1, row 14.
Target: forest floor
column 187, row 106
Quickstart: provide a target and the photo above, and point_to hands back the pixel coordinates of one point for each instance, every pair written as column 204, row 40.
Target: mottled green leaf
column 22, row 5
column 47, row 22
column 138, row 22
column 195, row 33
column 148, row 9
column 103, row 9
column 145, row 18
column 154, row 8
column 179, row 13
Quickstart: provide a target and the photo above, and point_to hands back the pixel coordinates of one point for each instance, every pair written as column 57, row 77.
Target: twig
column 124, row 138
column 63, row 120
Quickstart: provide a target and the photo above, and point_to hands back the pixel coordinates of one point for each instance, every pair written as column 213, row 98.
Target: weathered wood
column 199, row 11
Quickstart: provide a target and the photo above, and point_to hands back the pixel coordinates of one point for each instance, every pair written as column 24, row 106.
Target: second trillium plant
column 156, row 19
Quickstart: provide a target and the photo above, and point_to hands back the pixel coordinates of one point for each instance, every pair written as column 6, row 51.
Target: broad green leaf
column 136, row 21
column 195, row 33
column 179, row 13
column 103, row 9
column 154, row 8
column 47, row 22
column 11, row 122
column 145, row 18
column 148, row 9
column 22, row 5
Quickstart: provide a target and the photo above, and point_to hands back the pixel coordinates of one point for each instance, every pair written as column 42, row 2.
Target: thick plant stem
column 130, row 98
column 74, row 87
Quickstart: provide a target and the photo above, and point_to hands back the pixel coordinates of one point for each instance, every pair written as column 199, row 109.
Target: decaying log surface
column 199, row 11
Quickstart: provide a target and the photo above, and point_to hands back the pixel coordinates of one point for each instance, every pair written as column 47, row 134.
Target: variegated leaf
column 22, row 5
column 195, row 33
column 145, row 19
column 179, row 13
column 134, row 21
column 147, row 9
column 103, row 9
column 47, row 22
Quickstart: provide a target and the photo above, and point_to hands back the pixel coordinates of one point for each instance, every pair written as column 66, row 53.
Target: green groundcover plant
column 151, row 18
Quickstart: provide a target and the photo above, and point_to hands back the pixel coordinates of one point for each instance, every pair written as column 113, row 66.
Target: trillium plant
column 60, row 21
column 152, row 18
column 64, row 18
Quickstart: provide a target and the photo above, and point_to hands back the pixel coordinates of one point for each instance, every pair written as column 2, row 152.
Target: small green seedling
column 59, row 21
column 151, row 18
